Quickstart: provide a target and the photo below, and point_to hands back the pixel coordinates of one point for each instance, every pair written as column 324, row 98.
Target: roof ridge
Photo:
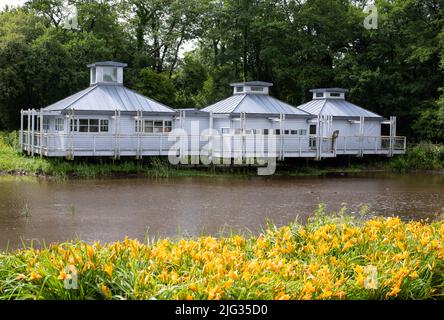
column 138, row 94
column 241, row 100
column 83, row 95
column 291, row 106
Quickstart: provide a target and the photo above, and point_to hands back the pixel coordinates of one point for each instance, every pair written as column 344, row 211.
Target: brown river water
column 46, row 211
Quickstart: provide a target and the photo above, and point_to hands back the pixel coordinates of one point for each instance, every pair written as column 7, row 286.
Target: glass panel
column 335, row 94
column 303, row 132
column 312, row 129
column 59, row 125
column 257, row 131
column 83, row 125
column 74, row 125
column 295, row 132
column 158, row 126
column 109, row 74
column 93, row 125
column 93, row 75
column 104, row 125
column 257, row 89
column 319, row 95
column 168, row 126
column 225, row 130
column 239, row 89
column 287, row 132
column 277, row 132
column 265, row 132
column 149, row 124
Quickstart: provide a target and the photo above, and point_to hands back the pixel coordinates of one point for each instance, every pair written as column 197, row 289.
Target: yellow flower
column 282, row 296
column 105, row 290
column 63, row 275
column 394, row 292
column 233, row 275
column 108, row 268
column 193, row 287
column 228, row 284
column 90, row 250
column 35, row 276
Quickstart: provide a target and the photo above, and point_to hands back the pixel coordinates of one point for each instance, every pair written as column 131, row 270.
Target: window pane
column 277, row 132
column 109, row 74
column 313, row 129
column 265, row 132
column 239, row 89
column 168, row 126
column 104, row 125
column 73, row 125
column 295, row 132
column 303, row 132
column 83, row 125
column 257, row 89
column 149, row 124
column 287, row 132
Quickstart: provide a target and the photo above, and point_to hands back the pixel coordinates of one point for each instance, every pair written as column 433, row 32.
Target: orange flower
column 35, row 276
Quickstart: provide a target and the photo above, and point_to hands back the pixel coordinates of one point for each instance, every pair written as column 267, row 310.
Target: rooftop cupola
column 251, row 87
column 107, row 72
column 329, row 93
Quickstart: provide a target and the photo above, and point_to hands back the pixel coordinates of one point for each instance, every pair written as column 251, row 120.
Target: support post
column 28, row 142
column 33, row 131
column 41, row 133
column 21, row 130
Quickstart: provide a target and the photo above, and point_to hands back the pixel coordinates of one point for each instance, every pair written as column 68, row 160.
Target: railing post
column 21, row 130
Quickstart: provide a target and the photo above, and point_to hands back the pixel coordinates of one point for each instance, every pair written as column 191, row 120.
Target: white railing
column 53, row 144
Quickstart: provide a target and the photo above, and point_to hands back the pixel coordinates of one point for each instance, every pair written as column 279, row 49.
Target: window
column 277, row 132
column 168, row 126
column 312, row 129
column 45, row 124
column 83, row 125
column 109, row 74
column 257, row 89
column 249, row 131
column 239, row 89
column 94, row 125
column 154, row 126
column 104, row 125
column 93, row 75
column 257, row 131
column 302, row 132
column 265, row 132
column 238, row 131
column 286, row 132
column 74, row 125
column 295, row 132
column 335, row 94
column 319, row 95
column 59, row 124
column 89, row 125
column 225, row 130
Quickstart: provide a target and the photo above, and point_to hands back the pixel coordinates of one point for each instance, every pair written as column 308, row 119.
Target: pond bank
column 423, row 157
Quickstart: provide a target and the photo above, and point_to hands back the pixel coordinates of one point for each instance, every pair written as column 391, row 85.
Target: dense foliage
column 395, row 69
column 332, row 257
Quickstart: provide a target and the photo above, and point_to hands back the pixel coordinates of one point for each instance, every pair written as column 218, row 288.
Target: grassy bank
column 425, row 156
column 334, row 257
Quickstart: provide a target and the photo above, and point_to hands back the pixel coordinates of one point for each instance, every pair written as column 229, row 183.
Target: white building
column 108, row 119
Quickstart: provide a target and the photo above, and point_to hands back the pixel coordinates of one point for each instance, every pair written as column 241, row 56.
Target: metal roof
column 254, row 104
column 108, row 64
column 108, row 98
column 252, row 83
column 336, row 108
column 340, row 90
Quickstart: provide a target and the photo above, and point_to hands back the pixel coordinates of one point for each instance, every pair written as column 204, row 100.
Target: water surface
column 110, row 209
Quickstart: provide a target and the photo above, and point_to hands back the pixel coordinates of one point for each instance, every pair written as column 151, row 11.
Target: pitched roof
column 108, row 98
column 254, row 104
column 336, row 108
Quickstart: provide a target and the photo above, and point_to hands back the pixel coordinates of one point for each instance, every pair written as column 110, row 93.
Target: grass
column 425, row 156
column 331, row 257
